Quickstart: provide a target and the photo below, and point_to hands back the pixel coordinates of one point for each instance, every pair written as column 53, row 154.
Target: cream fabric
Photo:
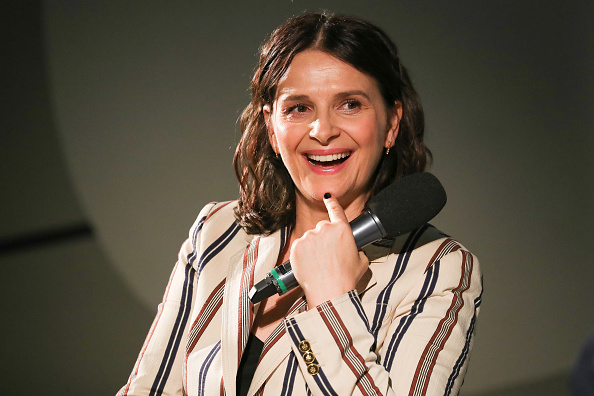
column 406, row 330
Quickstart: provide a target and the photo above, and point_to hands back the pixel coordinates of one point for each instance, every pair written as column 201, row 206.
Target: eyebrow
column 339, row 95
column 295, row 97
column 353, row 93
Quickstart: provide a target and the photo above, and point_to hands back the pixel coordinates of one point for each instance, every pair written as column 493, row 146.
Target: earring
column 388, row 151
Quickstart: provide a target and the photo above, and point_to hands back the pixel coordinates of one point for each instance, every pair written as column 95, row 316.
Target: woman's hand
column 325, row 260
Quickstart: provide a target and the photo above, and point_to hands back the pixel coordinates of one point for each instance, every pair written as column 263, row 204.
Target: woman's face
column 330, row 125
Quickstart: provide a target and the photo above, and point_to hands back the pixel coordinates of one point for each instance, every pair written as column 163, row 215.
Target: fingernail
column 327, row 195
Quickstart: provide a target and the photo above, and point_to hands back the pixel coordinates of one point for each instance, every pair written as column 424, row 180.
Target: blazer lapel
column 276, row 348
column 245, row 268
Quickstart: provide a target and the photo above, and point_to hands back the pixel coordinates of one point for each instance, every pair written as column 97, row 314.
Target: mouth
column 328, row 160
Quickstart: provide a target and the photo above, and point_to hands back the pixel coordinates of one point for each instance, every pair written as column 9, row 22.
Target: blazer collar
column 246, row 267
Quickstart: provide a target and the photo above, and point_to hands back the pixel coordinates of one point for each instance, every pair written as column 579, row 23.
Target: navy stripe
column 217, row 246
column 479, row 299
column 206, row 254
column 401, row 263
column 289, row 380
column 192, row 256
column 357, row 303
column 460, row 361
column 466, row 350
column 184, row 311
column 206, row 366
column 417, row 308
column 176, row 334
column 320, row 377
column 180, row 320
column 399, row 268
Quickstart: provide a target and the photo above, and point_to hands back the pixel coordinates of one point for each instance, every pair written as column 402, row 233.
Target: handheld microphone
column 401, row 207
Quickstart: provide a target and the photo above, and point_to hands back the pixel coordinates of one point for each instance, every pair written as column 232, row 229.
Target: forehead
column 315, row 72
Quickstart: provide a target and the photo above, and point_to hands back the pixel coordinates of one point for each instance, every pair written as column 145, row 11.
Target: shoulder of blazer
column 216, row 222
column 220, row 211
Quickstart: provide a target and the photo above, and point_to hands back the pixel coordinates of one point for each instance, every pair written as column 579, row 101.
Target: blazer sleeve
column 426, row 347
column 158, row 369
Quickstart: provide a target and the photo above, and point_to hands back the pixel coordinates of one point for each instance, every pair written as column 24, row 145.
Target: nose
column 323, row 129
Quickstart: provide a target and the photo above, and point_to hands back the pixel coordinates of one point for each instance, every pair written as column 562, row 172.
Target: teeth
column 328, row 158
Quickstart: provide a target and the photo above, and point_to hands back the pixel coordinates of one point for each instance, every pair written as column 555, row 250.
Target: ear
column 393, row 124
column 267, row 111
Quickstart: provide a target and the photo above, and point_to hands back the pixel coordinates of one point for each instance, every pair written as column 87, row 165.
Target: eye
column 298, row 108
column 350, row 105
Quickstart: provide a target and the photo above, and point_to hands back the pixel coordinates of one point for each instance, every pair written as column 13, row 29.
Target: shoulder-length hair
column 267, row 193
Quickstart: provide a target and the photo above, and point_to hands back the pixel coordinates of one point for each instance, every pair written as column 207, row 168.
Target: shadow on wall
column 70, row 327
column 66, row 318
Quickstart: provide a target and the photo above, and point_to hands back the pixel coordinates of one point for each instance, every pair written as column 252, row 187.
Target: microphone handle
column 366, row 229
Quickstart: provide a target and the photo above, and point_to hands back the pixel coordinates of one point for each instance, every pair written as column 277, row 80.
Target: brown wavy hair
column 267, row 193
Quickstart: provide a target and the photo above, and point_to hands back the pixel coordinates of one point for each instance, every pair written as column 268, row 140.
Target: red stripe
column 204, row 325
column 439, row 252
column 343, row 351
column 337, row 340
column 213, row 211
column 208, row 319
column 222, row 388
column 251, row 281
column 271, row 344
column 457, row 297
column 243, row 295
column 355, row 352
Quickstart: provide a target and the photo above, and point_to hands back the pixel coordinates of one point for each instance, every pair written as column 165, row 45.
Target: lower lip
column 326, row 170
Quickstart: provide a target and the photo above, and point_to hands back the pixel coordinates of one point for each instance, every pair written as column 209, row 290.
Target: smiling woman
column 333, row 120
column 330, row 126
column 267, row 199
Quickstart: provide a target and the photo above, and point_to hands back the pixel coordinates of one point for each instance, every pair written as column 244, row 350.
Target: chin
column 345, row 197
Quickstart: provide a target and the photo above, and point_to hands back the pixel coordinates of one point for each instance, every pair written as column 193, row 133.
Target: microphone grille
column 408, row 203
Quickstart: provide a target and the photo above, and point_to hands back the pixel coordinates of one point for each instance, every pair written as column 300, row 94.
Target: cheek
column 371, row 134
column 288, row 136
column 283, row 139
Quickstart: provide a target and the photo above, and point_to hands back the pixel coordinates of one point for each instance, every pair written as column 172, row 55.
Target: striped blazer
column 407, row 329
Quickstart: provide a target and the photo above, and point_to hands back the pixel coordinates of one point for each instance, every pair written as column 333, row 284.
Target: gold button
column 304, row 346
column 313, row 369
column 308, row 357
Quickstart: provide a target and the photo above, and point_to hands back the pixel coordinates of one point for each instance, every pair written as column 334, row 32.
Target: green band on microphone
column 278, row 280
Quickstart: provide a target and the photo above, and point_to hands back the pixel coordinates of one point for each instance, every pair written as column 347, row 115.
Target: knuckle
column 296, row 244
column 322, row 225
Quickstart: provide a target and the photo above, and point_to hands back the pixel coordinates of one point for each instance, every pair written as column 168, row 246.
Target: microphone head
column 408, row 203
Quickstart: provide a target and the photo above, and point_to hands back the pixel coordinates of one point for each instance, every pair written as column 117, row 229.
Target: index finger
column 335, row 211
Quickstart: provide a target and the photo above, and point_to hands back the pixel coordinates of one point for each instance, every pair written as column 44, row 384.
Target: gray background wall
column 122, row 116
